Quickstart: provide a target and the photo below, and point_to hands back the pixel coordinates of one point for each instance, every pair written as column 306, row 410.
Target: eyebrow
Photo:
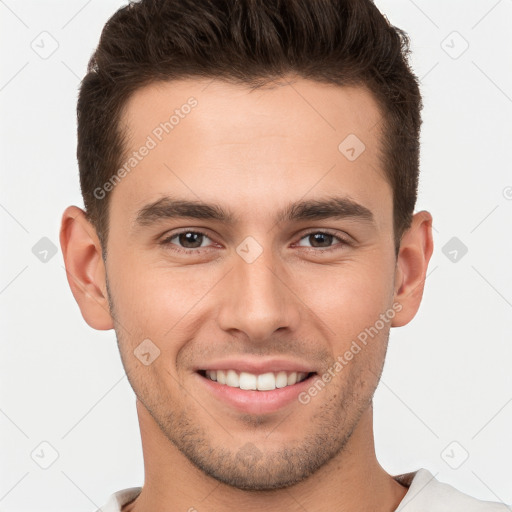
column 316, row 209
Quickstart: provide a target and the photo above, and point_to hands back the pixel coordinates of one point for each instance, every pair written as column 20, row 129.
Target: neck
column 351, row 481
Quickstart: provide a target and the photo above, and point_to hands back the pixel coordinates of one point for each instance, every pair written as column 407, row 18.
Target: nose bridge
column 258, row 301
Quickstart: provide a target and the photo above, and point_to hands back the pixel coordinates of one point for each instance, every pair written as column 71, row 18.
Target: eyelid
column 172, row 234
column 344, row 239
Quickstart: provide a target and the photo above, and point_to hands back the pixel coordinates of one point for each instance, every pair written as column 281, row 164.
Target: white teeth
column 281, row 380
column 249, row 381
column 266, row 382
column 221, row 376
column 292, row 378
column 232, row 379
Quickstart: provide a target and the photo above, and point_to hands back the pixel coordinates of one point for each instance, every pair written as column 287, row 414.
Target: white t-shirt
column 425, row 494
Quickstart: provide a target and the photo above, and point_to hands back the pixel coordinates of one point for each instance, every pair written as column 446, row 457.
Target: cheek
column 349, row 297
column 158, row 302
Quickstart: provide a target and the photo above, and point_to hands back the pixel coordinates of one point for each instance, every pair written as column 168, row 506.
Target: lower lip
column 256, row 402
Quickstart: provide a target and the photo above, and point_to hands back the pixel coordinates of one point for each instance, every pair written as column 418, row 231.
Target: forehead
column 307, row 108
column 215, row 140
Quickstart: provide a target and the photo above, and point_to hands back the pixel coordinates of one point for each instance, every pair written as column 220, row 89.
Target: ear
column 85, row 269
column 415, row 251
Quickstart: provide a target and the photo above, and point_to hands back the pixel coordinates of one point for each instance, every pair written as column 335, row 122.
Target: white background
column 447, row 377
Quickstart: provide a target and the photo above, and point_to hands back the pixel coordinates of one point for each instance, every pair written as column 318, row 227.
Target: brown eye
column 319, row 240
column 186, row 240
column 190, row 239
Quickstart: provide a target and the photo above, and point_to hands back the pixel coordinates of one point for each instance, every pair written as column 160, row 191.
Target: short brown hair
column 251, row 42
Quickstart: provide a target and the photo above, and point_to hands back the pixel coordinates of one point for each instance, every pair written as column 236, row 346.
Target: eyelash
column 167, row 241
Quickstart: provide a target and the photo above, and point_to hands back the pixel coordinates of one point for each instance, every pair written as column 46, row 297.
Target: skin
column 252, row 152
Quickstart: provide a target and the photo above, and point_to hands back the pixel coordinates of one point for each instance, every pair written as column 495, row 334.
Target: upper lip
column 257, row 366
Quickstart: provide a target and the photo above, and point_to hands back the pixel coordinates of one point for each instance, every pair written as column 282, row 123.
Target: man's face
column 270, row 290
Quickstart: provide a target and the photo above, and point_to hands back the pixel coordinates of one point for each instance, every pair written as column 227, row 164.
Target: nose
column 258, row 299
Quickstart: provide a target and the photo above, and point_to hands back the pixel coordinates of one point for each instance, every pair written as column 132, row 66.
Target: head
column 249, row 173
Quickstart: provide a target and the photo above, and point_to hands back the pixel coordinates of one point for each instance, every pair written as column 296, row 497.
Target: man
column 249, row 172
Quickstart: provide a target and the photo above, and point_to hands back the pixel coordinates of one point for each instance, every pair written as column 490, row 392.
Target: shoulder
column 426, row 494
column 118, row 499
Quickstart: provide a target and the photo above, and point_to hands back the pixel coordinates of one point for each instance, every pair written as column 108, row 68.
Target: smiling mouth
column 257, row 382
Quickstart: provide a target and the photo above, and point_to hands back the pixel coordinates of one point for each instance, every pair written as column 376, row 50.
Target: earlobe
column 411, row 269
column 85, row 269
